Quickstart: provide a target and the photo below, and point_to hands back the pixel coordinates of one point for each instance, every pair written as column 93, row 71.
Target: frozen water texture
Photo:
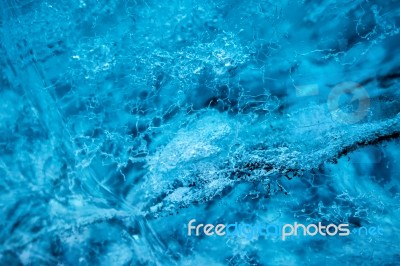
column 122, row 120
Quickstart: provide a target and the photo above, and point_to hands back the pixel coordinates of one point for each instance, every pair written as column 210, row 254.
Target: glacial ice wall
column 122, row 120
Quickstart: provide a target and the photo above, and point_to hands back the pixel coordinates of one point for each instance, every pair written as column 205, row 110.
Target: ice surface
column 122, row 120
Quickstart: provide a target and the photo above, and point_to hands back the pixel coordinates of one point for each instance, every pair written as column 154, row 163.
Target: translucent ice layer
column 122, row 120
